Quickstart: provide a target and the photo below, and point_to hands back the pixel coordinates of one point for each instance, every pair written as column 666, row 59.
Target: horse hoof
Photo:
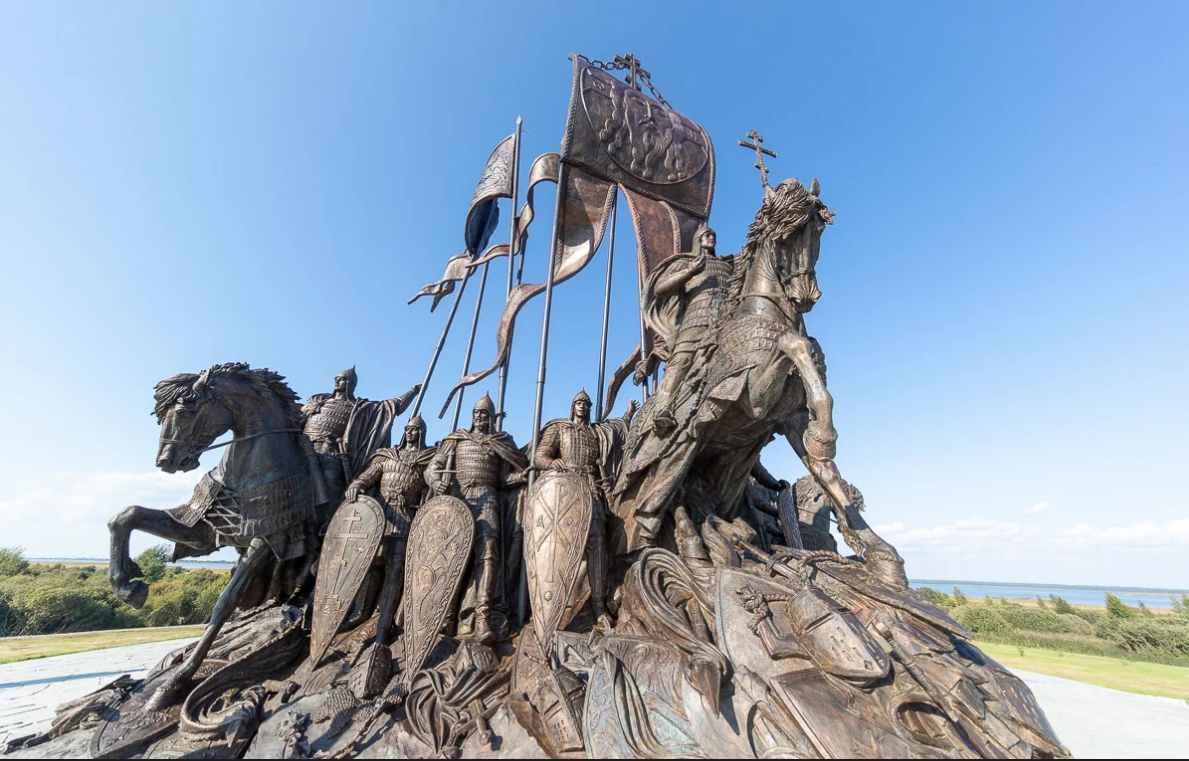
column 133, row 594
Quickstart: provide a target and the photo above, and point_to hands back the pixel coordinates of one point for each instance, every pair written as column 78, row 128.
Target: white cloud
column 981, row 535
column 66, row 514
column 1039, row 507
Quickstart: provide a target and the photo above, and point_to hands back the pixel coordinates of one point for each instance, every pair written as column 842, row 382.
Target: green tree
column 12, row 561
column 1181, row 606
column 938, row 598
column 1060, row 605
column 1117, row 609
column 959, row 598
column 153, row 562
column 1040, row 603
column 1145, row 611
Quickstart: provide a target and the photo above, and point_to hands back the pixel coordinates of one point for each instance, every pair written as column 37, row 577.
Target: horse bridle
column 198, row 420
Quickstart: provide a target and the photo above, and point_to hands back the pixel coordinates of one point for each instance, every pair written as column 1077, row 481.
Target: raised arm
column 404, row 400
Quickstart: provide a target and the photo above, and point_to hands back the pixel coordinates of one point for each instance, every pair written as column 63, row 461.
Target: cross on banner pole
column 757, row 145
column 635, row 71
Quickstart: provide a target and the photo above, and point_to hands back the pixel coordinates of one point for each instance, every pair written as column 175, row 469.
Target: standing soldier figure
column 346, row 431
column 400, row 474
column 683, row 300
column 475, row 465
column 594, row 451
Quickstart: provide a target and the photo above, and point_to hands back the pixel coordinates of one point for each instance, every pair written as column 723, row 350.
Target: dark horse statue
column 258, row 499
column 756, row 374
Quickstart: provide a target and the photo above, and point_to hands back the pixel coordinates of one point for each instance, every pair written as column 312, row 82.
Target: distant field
column 28, row 648
column 1115, row 673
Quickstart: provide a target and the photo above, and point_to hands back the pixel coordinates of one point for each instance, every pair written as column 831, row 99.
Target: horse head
column 783, row 245
column 194, row 410
column 191, row 417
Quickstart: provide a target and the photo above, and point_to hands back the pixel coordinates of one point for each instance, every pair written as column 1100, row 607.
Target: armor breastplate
column 707, row 295
column 579, row 445
column 476, row 464
column 330, row 421
column 401, row 482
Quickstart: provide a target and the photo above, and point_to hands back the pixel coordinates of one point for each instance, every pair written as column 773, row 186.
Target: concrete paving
column 1093, row 722
column 31, row 691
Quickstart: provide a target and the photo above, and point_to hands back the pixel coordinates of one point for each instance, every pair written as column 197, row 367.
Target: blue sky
column 1004, row 315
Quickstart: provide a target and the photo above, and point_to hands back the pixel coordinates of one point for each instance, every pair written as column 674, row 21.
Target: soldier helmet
column 349, row 376
column 415, row 422
column 581, row 396
column 485, row 404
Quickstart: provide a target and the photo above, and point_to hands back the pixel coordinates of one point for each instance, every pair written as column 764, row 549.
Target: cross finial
column 757, row 145
column 635, row 71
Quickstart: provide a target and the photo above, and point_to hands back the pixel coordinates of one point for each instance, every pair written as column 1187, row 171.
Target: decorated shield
column 351, row 542
column 439, row 553
column 557, row 522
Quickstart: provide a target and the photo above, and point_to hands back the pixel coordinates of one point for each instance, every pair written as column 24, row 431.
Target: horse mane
column 787, row 208
column 262, row 380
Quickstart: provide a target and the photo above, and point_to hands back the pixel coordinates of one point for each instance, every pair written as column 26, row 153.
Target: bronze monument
column 634, row 587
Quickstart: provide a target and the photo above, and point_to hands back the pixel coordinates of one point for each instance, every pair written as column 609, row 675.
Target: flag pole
column 466, row 361
column 555, row 238
column 513, row 246
column 606, row 311
column 437, row 352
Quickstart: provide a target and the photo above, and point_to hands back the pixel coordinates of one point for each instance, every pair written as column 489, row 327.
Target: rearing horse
column 755, row 375
column 258, row 499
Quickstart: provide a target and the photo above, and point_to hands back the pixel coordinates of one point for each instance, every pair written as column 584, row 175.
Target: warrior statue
column 399, row 472
column 592, row 452
column 346, row 431
column 476, row 465
column 683, row 300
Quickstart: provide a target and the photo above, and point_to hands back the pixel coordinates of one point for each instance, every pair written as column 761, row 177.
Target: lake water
column 1153, row 598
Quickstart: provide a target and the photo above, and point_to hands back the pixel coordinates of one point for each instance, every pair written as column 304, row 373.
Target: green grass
column 29, row 648
column 1116, row 673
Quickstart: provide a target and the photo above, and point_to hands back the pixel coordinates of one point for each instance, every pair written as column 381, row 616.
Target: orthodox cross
column 632, row 64
column 757, row 145
column 349, row 534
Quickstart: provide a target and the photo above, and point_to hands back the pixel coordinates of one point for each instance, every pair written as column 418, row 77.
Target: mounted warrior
column 476, row 465
column 580, row 462
column 346, row 431
column 682, row 301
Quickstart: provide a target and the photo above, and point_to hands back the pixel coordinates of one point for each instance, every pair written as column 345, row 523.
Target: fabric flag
column 481, row 221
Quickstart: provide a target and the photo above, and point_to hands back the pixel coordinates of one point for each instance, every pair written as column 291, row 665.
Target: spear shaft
column 466, row 362
column 513, row 246
column 437, row 352
column 606, row 311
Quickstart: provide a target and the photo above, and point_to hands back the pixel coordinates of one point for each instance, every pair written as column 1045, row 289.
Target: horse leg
column 169, row 693
column 881, row 557
column 122, row 571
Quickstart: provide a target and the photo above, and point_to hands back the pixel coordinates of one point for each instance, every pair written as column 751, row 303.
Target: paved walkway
column 1093, row 722
column 31, row 691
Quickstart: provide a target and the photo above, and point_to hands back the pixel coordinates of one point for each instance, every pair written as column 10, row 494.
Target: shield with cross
column 557, row 524
column 352, row 538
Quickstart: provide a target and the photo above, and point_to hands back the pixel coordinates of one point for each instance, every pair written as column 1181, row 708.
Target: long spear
column 437, row 352
column 466, row 362
column 606, row 312
column 513, row 245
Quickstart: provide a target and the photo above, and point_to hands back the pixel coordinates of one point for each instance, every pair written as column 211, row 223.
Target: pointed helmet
column 349, row 376
column 485, row 404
